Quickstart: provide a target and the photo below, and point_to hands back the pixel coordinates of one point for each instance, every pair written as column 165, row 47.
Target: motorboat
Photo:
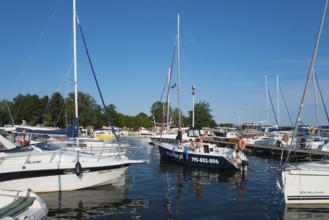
column 47, row 167
column 21, row 204
column 207, row 155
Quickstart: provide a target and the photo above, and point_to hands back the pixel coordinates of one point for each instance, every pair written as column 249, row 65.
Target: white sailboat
column 197, row 154
column 307, row 182
column 48, row 168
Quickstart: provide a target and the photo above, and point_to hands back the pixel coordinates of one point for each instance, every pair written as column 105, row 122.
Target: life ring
column 311, row 130
column 285, row 138
column 242, row 144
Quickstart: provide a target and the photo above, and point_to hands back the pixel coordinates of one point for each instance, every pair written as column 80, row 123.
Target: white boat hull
column 57, row 171
column 306, row 183
column 66, row 182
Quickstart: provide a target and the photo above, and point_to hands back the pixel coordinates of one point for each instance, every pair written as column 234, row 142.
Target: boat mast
column 169, row 77
column 75, row 68
column 316, row 99
column 75, row 61
column 193, row 93
column 178, row 70
column 266, row 93
column 278, row 102
column 310, row 73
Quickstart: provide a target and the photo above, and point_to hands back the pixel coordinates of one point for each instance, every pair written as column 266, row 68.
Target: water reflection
column 183, row 182
column 91, row 203
column 320, row 212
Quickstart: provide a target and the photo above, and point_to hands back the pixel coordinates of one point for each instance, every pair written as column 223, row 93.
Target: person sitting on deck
column 192, row 146
column 198, row 142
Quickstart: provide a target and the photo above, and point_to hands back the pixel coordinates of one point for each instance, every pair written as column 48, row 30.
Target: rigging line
column 164, row 87
column 59, row 115
column 96, row 81
column 44, row 110
column 298, row 119
column 285, row 104
column 324, row 105
column 8, row 109
column 276, row 120
column 19, row 107
column 205, row 66
column 37, row 44
column 66, row 79
column 172, row 65
column 35, row 47
column 169, row 86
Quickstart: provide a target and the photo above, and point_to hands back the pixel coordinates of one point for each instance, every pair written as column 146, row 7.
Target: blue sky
column 227, row 49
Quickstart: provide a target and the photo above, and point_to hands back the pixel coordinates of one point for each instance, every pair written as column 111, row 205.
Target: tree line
column 57, row 111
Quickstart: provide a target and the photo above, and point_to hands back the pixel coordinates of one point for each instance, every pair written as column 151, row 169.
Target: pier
column 296, row 154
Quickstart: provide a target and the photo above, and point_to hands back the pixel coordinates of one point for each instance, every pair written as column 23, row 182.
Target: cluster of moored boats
column 57, row 164
column 308, row 138
column 301, row 183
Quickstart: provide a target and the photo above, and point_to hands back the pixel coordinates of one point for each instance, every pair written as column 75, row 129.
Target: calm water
column 165, row 190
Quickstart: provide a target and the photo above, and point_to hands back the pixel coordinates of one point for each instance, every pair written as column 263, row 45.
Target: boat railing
column 43, row 157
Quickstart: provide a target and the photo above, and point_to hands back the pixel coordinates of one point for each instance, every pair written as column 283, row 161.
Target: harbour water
column 166, row 190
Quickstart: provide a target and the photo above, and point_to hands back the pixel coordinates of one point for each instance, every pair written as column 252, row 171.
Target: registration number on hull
column 193, row 159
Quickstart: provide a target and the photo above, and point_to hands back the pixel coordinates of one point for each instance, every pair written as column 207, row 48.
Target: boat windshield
column 47, row 146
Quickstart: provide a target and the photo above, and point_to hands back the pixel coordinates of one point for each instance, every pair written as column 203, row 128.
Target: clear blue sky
column 227, row 48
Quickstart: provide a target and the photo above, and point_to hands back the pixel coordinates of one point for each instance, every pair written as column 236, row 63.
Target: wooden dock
column 297, row 155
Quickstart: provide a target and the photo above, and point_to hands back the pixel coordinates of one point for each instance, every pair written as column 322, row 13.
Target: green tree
column 142, row 120
column 87, row 109
column 175, row 119
column 60, row 112
column 157, row 110
column 30, row 108
column 56, row 111
column 202, row 115
column 113, row 115
column 230, row 125
column 6, row 108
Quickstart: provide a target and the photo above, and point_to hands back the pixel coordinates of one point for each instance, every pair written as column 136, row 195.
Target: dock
column 296, row 154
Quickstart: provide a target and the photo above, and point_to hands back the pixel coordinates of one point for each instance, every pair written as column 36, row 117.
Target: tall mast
column 316, row 99
column 169, row 77
column 310, row 73
column 178, row 70
column 278, row 102
column 266, row 93
column 75, row 60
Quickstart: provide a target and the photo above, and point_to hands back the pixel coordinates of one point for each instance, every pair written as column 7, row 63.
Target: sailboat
column 306, row 182
column 48, row 168
column 169, row 136
column 198, row 154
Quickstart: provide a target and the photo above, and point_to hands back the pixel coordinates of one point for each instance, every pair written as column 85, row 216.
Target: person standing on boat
column 236, row 155
column 179, row 137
